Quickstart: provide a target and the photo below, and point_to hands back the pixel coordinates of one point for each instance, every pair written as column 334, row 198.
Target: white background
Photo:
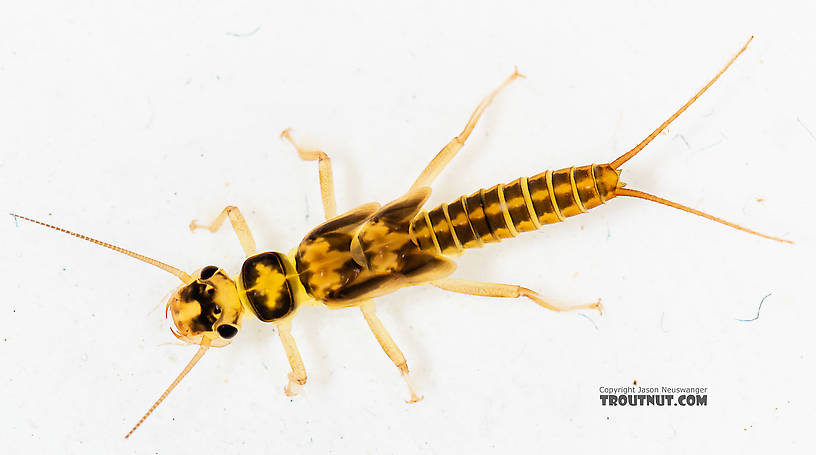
column 125, row 122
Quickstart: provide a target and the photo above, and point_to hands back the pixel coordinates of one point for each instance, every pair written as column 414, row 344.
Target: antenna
column 183, row 276
column 205, row 344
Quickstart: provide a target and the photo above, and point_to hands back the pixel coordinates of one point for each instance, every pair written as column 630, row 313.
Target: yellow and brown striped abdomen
column 505, row 210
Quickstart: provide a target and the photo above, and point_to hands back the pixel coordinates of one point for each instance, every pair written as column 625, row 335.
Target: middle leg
column 324, row 171
column 388, row 345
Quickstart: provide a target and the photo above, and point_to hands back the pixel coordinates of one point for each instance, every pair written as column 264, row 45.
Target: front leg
column 239, row 225
column 297, row 378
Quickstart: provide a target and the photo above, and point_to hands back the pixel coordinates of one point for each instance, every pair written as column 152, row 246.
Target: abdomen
column 505, row 210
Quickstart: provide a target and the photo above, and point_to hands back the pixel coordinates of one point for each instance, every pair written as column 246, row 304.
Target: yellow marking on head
column 187, row 310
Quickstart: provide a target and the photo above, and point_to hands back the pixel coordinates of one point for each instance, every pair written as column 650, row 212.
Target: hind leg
column 446, row 154
column 507, row 290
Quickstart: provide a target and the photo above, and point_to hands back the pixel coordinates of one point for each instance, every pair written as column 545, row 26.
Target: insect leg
column 297, row 378
column 388, row 345
column 325, row 172
column 507, row 290
column 446, row 154
column 239, row 224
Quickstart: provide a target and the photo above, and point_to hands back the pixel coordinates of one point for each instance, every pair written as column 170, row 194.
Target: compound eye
column 227, row 331
column 208, row 272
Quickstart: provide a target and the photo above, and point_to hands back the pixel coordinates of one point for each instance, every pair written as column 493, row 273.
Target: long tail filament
column 659, row 200
column 626, row 156
column 649, row 197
